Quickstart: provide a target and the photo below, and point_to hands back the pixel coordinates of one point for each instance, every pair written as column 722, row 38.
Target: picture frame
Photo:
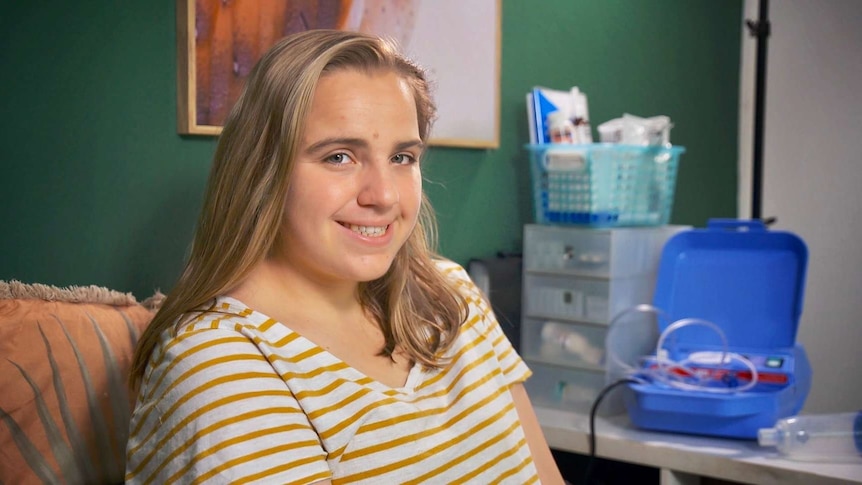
column 218, row 43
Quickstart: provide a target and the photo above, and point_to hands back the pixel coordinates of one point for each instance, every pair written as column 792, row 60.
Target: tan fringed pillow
column 64, row 402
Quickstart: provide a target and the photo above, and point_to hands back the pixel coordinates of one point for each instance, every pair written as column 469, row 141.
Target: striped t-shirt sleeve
column 213, row 410
column 482, row 321
column 514, row 369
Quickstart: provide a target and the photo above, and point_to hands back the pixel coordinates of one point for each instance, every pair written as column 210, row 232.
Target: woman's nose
column 378, row 186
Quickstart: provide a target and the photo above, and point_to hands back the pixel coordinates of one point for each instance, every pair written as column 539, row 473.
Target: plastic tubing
column 613, row 327
column 663, row 363
column 732, row 356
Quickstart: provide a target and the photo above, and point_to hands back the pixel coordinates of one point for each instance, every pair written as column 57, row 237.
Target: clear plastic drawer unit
column 575, row 280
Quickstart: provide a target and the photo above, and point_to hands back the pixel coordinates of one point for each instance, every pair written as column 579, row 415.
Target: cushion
column 65, row 404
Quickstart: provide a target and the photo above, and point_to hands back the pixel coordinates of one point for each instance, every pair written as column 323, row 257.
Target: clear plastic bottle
column 817, row 437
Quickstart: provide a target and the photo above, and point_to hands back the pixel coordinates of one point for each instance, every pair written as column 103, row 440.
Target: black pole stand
column 760, row 29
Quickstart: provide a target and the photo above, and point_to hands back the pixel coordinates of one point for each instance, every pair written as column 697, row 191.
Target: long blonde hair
column 418, row 310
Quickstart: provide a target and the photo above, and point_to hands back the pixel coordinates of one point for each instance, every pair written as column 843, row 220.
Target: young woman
column 314, row 337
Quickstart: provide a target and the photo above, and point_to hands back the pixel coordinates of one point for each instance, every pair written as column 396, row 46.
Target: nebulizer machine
column 716, row 352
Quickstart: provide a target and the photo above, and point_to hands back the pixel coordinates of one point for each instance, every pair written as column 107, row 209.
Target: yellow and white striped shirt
column 237, row 397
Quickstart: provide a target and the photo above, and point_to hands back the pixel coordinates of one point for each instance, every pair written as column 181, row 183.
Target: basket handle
column 752, row 225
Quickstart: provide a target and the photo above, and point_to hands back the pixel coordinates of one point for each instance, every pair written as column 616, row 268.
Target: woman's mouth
column 367, row 231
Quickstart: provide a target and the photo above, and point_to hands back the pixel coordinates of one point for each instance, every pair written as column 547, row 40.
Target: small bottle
column 560, row 128
column 817, row 437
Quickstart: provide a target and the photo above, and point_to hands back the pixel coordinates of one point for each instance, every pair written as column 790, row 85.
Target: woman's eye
column 338, row 158
column 403, row 159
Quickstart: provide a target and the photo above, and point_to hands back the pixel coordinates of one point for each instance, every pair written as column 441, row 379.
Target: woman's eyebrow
column 326, row 142
column 404, row 145
column 359, row 143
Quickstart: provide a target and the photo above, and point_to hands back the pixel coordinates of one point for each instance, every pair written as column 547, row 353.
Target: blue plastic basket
column 603, row 184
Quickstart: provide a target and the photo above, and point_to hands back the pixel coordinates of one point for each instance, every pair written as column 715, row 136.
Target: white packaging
column 635, row 130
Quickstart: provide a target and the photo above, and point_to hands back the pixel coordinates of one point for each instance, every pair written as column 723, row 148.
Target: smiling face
column 356, row 187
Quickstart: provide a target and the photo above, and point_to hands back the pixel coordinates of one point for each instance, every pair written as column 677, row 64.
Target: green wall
column 98, row 188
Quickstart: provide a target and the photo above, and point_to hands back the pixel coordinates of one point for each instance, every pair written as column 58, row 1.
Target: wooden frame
column 217, row 44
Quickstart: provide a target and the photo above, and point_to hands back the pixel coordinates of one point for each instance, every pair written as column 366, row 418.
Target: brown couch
column 64, row 400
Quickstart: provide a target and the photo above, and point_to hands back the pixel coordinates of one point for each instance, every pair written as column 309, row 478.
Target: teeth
column 369, row 231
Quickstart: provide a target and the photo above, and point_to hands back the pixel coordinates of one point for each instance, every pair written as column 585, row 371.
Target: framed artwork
column 219, row 41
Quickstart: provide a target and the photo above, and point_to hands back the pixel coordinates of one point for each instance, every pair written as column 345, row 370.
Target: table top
column 729, row 459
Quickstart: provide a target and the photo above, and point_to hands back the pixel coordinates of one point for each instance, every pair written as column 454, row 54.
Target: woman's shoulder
column 224, row 326
column 458, row 276
column 223, row 313
column 478, row 308
column 448, row 267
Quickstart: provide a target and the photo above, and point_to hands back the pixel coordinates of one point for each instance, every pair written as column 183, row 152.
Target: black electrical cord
column 592, row 436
